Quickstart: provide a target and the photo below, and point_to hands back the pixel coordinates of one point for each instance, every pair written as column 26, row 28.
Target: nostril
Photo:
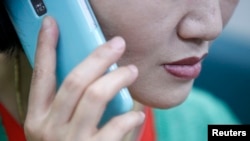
column 197, row 41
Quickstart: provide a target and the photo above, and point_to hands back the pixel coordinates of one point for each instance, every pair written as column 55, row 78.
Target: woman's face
column 166, row 40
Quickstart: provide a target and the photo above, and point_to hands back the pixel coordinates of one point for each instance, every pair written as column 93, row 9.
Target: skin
column 153, row 33
column 162, row 32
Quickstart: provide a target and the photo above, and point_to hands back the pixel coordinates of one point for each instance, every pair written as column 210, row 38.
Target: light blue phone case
column 80, row 34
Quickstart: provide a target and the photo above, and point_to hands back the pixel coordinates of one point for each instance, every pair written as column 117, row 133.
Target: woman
column 165, row 41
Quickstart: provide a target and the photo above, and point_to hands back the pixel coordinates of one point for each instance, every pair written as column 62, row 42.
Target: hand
column 73, row 112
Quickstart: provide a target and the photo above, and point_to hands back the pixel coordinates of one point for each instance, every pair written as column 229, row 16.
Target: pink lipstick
column 188, row 68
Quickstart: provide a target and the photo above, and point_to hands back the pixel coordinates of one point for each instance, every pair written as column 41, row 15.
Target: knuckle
column 99, row 54
column 41, row 73
column 48, row 135
column 73, row 80
column 32, row 130
column 39, row 132
column 117, row 125
column 28, row 127
column 126, row 122
column 38, row 73
column 94, row 94
column 124, row 76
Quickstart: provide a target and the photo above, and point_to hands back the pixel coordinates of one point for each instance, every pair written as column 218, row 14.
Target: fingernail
column 117, row 43
column 142, row 115
column 46, row 22
column 133, row 68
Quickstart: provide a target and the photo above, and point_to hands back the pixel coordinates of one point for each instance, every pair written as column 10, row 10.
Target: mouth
column 187, row 68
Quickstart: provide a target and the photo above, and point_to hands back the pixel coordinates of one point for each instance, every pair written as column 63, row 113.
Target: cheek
column 141, row 46
column 155, row 89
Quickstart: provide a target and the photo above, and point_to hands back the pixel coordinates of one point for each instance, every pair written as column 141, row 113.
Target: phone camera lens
column 39, row 7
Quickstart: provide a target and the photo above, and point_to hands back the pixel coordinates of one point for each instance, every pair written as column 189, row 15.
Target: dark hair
column 9, row 41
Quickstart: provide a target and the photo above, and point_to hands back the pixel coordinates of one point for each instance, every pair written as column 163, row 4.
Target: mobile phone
column 79, row 35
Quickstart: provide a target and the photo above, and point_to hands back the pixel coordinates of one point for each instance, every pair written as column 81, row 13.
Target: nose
column 202, row 20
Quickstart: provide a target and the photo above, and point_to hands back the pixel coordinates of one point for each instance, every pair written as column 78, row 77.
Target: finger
column 93, row 103
column 43, row 79
column 83, row 75
column 119, row 126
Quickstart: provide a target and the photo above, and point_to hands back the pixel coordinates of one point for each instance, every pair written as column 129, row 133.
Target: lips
column 188, row 68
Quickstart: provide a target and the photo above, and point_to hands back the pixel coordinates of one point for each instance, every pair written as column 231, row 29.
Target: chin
column 163, row 98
